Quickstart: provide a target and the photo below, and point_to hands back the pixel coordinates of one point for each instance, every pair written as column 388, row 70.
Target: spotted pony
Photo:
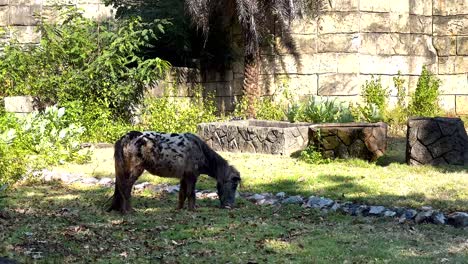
column 182, row 156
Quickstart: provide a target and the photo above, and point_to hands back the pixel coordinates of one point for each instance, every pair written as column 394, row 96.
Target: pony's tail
column 119, row 199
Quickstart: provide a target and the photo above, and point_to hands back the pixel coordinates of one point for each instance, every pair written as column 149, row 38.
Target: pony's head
column 227, row 187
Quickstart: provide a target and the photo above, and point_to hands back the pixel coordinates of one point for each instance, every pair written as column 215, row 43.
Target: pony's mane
column 216, row 162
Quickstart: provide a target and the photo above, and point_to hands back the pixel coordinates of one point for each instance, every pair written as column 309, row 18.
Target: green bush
column 397, row 117
column 321, row 110
column 80, row 60
column 313, row 155
column 266, row 109
column 375, row 102
column 424, row 101
column 168, row 114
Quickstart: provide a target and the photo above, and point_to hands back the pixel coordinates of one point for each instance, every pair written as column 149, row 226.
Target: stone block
column 338, row 22
column 343, row 5
column 21, row 16
column 453, row 65
column 326, row 63
column 418, row 24
column 3, row 2
column 445, row 45
column 449, row 7
column 400, row 6
column 374, row 6
column 225, row 104
column 26, row 34
column 297, row 84
column 305, row 26
column 416, row 63
column 4, row 11
column 420, row 7
column 302, row 44
column 99, row 12
column 461, row 104
column 451, row 25
column 374, row 22
column 462, row 45
column 338, row 84
column 454, row 84
column 447, row 102
column 370, row 64
column 338, row 43
column 347, row 62
column 19, row 104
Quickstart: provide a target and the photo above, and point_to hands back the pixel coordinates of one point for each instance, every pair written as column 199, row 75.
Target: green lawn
column 389, row 182
column 67, row 224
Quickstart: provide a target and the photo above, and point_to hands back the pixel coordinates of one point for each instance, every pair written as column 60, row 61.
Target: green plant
column 293, row 113
column 78, row 59
column 375, row 102
column 397, row 117
column 313, row 155
column 168, row 114
column 424, row 101
column 323, row 110
column 267, row 109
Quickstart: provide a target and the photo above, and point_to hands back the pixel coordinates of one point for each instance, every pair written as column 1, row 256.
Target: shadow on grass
column 346, row 188
column 59, row 224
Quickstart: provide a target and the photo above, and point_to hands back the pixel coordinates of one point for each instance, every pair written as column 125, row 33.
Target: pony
column 178, row 155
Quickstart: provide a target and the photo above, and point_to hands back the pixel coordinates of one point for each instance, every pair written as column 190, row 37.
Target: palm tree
column 253, row 17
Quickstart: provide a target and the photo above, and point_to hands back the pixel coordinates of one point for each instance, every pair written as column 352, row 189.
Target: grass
column 54, row 223
column 51, row 223
column 388, row 182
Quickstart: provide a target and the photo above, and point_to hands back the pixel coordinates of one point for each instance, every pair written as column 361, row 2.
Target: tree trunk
column 250, row 86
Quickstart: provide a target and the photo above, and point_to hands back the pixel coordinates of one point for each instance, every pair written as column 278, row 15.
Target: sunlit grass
column 387, row 182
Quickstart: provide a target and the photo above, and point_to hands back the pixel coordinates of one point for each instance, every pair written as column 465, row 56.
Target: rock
column 423, row 216
column 390, row 213
column 318, row 202
column 267, row 201
column 408, row 214
column 141, row 186
column 89, row 180
column 376, row 210
column 256, row 197
column 297, row 199
column 172, row 189
column 362, row 210
column 280, row 195
column 458, row 219
column 106, row 181
column 335, row 207
column 439, row 219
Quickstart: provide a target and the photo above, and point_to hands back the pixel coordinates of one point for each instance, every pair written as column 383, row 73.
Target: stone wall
column 333, row 55
column 354, row 39
column 19, row 18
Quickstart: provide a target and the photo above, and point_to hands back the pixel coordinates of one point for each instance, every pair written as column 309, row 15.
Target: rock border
column 425, row 214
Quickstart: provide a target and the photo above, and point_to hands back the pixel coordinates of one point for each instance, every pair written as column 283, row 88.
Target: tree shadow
column 54, row 223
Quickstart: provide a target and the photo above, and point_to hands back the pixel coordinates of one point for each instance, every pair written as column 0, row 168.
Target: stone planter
column 359, row 140
column 255, row 136
column 436, row 141
column 366, row 141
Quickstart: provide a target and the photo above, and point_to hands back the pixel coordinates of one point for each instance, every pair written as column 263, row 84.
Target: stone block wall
column 354, row 39
column 19, row 18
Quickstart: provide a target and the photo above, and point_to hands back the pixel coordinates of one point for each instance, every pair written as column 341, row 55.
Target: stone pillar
column 20, row 105
column 436, row 141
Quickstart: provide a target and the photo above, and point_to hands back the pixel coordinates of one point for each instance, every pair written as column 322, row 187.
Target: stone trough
column 359, row 140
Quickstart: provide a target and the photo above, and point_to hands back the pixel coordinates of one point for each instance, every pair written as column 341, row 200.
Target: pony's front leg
column 191, row 181
column 182, row 194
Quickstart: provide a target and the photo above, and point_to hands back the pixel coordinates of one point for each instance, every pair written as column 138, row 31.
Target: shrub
column 424, row 101
column 323, row 110
column 266, row 109
column 313, row 155
column 397, row 117
column 81, row 60
column 375, row 102
column 168, row 114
